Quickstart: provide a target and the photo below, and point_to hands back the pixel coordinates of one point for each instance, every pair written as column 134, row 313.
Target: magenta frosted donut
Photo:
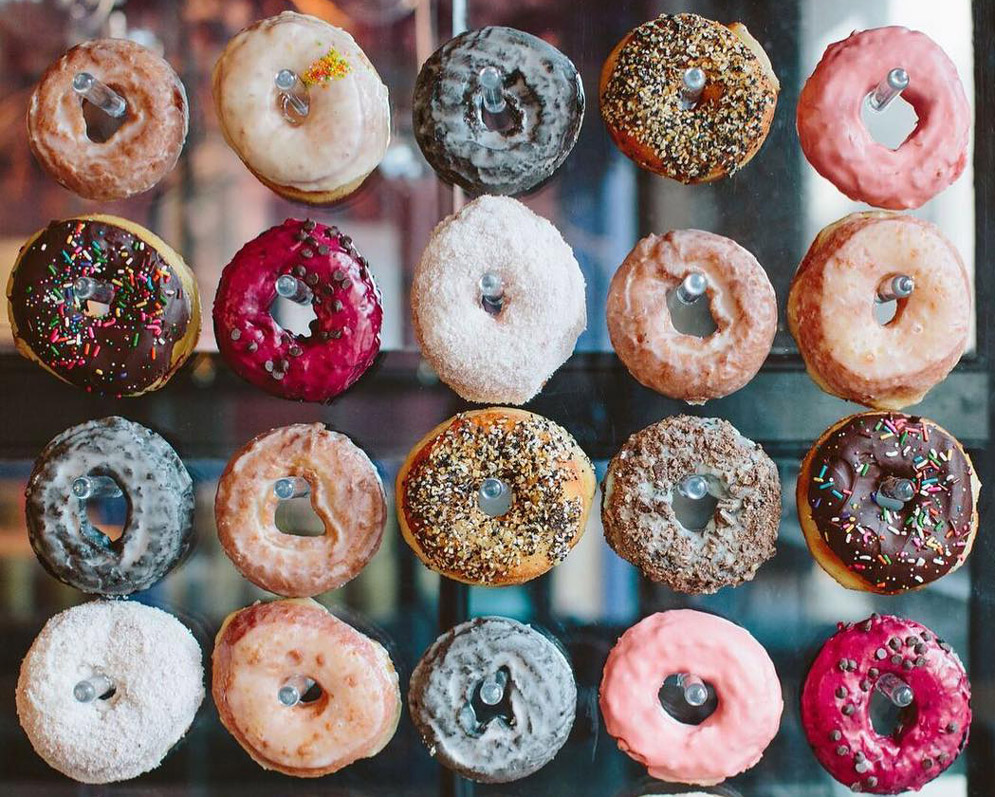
column 861, row 658
column 731, row 739
column 839, row 145
column 334, row 278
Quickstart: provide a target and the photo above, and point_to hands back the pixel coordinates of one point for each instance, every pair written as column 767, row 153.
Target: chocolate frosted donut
column 506, row 153
column 158, row 489
column 645, row 477
column 493, row 699
column 849, row 506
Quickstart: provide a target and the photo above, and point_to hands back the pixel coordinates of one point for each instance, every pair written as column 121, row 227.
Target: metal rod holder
column 894, row 492
column 92, row 688
column 297, row 291
column 293, row 93
column 492, row 688
column 99, row 94
column 694, row 487
column 293, row 690
column 291, row 487
column 90, row 289
column 692, row 85
column 695, row 691
column 494, row 497
column 86, row 487
column 491, row 85
column 895, row 689
column 893, row 84
column 900, row 286
column 692, row 287
column 492, row 292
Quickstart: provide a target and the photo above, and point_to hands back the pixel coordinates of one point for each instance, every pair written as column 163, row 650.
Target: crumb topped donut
column 644, row 478
column 494, row 497
column 641, row 100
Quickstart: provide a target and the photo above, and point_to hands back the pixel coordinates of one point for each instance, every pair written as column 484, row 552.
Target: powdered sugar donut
column 140, row 669
column 497, row 301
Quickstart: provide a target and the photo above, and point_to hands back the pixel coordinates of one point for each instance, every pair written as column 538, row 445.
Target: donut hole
column 100, row 126
column 293, row 317
column 312, row 694
column 483, row 714
column 673, row 702
column 296, row 517
column 889, row 312
column 887, row 719
column 104, row 518
column 694, row 514
column 693, row 319
column 891, row 126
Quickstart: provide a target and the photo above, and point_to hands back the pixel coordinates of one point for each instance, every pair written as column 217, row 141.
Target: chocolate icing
column 892, row 550
column 129, row 349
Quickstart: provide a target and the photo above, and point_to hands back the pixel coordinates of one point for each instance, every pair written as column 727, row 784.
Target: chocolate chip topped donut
column 645, row 477
column 650, row 121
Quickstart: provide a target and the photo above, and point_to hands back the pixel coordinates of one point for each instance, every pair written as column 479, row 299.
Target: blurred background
column 210, row 205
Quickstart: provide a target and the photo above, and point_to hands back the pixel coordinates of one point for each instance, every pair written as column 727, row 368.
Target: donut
column 133, row 335
column 841, row 148
column 326, row 154
column 645, row 477
column 516, row 149
column 158, row 529
column 336, row 281
column 146, row 666
column 497, row 350
column 466, row 729
column 544, row 485
column 831, row 309
column 137, row 155
column 853, row 525
column 862, row 658
column 262, row 649
column 646, row 114
column 346, row 493
column 740, row 299
column 731, row 739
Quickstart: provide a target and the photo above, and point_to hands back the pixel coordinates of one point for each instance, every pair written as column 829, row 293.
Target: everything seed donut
column 543, row 488
column 346, row 493
column 469, row 731
column 497, row 350
column 836, row 704
column 865, row 538
column 297, row 645
column 642, row 106
column 831, row 309
column 731, row 739
column 333, row 278
column 142, row 151
column 740, row 299
column 158, row 529
column 544, row 103
column 840, row 147
column 644, row 478
column 150, row 683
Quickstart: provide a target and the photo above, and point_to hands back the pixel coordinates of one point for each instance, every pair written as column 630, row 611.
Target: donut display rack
column 589, row 398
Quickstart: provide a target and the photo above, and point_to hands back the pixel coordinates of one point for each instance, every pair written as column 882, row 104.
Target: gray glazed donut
column 159, row 492
column 535, row 714
column 545, row 108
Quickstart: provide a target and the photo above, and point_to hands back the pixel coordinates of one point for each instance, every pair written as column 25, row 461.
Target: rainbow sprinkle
column 331, row 66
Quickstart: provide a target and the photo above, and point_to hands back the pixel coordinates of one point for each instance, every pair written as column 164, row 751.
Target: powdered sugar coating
column 504, row 358
column 155, row 664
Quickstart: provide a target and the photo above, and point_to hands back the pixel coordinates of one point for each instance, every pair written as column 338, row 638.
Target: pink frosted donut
column 345, row 336
column 730, row 740
column 838, row 144
column 837, row 696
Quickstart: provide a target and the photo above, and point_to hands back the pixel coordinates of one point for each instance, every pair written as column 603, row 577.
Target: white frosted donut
column 502, row 357
column 346, row 131
column 154, row 664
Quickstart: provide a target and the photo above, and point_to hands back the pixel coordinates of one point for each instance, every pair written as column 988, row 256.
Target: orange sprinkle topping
column 331, row 66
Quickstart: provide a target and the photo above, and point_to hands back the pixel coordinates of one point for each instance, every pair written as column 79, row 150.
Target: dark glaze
column 124, row 352
column 892, row 550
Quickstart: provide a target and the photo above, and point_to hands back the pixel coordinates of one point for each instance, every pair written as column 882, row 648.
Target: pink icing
column 936, row 726
column 733, row 738
column 841, row 149
column 345, row 336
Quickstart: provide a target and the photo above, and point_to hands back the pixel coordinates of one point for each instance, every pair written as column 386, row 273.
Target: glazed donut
column 497, row 350
column 141, row 674
column 346, row 494
column 267, row 647
column 645, row 477
column 543, row 487
column 514, row 735
column 857, row 532
column 731, row 739
column 325, row 155
column 136, row 156
column 132, row 343
column 334, row 278
column 544, row 105
column 643, row 108
column 831, row 309
column 836, row 703
column 158, row 530
column 740, row 298
column 840, row 147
